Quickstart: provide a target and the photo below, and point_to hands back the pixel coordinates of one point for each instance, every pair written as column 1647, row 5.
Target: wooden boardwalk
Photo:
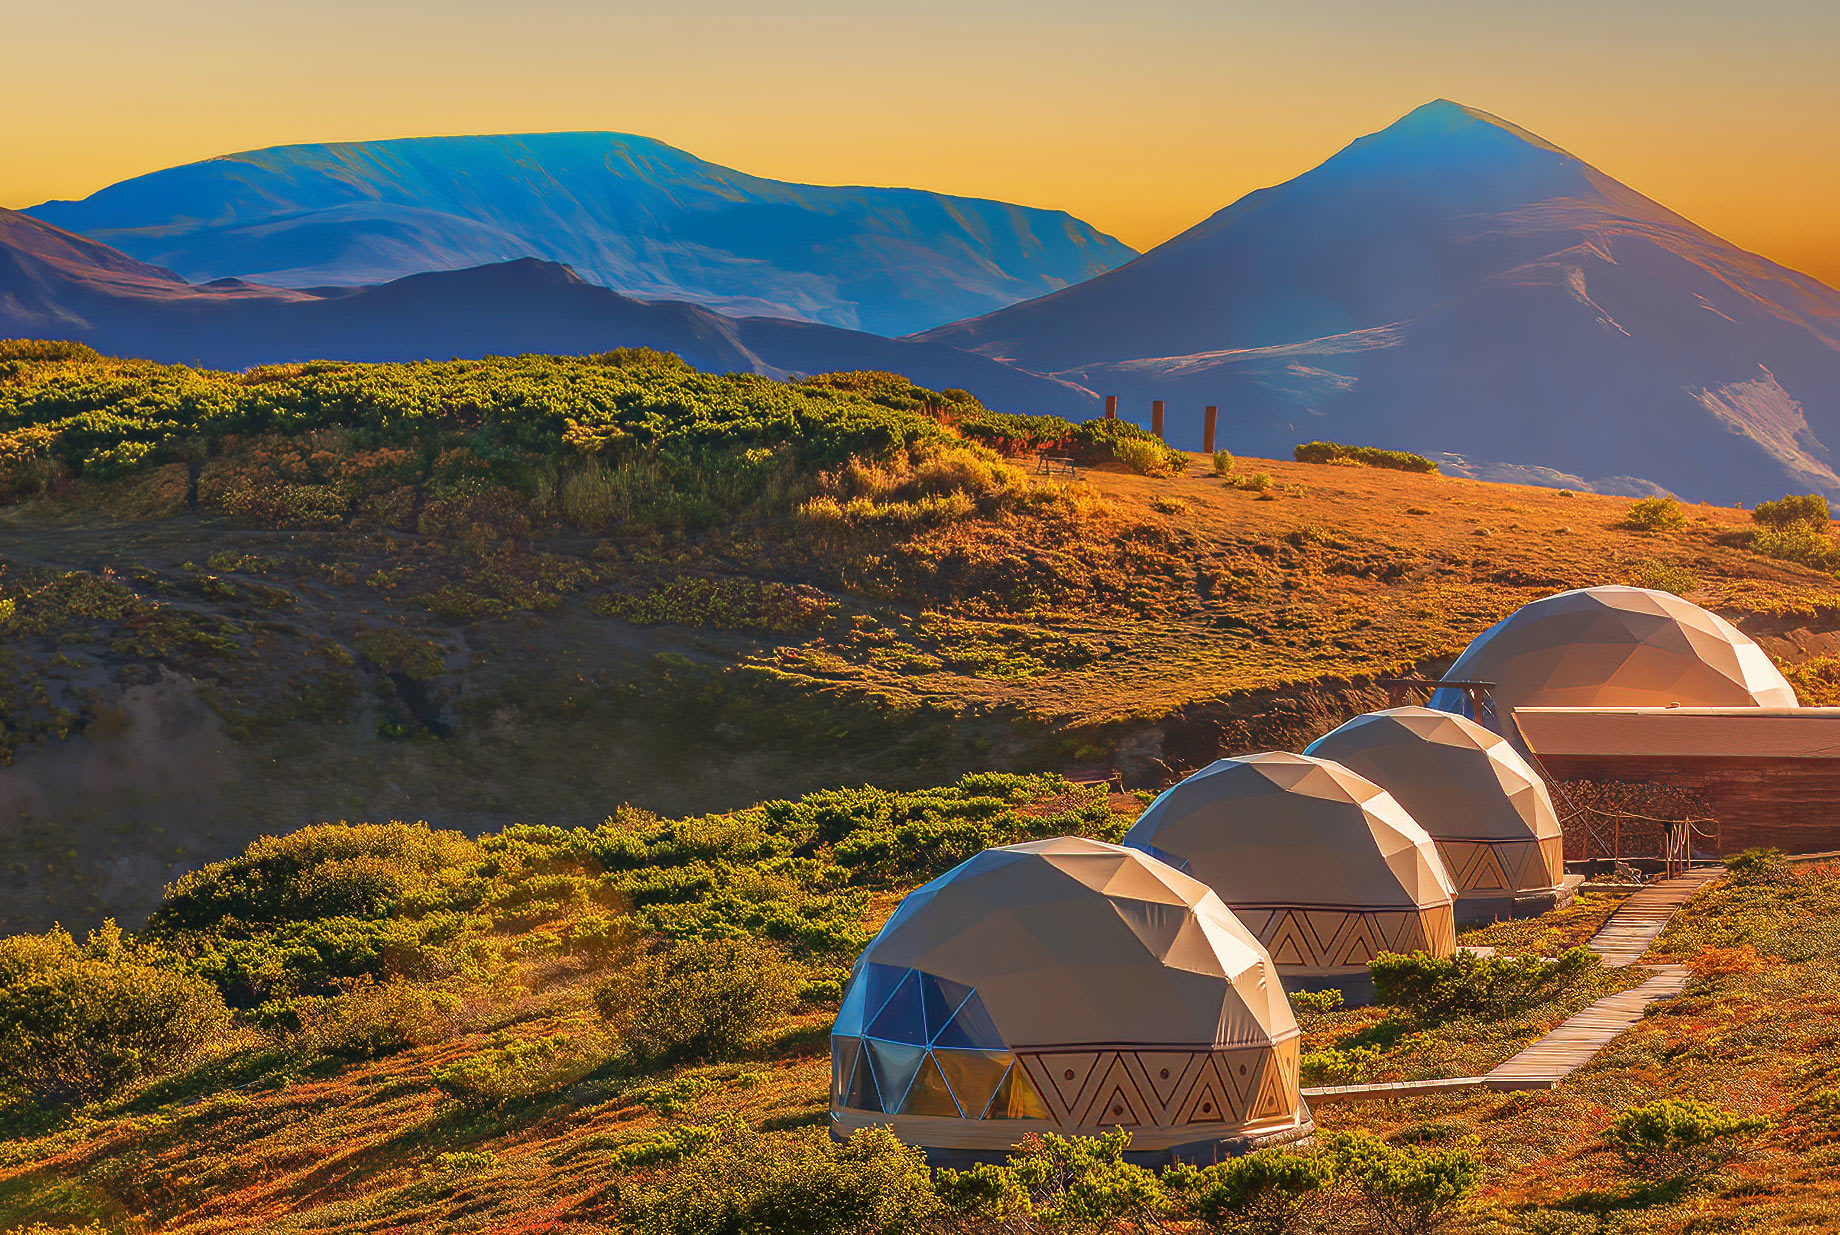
column 1576, row 1042
column 1622, row 941
column 1642, row 915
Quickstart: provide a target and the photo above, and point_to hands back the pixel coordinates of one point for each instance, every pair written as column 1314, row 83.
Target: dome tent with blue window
column 1067, row 986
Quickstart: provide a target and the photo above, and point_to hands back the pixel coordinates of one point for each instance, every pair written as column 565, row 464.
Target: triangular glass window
column 901, row 1018
column 929, row 1094
column 970, row 1028
column 940, row 999
column 1016, row 1098
column 974, row 1076
column 895, row 1065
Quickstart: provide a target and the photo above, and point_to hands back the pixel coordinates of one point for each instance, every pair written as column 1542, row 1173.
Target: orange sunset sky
column 1140, row 117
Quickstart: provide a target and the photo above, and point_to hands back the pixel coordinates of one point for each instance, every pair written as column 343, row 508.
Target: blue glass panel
column 850, row 1014
column 971, row 1027
column 895, row 1065
column 901, row 1018
column 879, row 983
column 845, row 1052
column 940, row 999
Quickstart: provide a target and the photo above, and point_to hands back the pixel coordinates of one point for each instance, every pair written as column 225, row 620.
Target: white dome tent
column 1319, row 862
column 1604, row 647
column 1486, row 809
column 1067, row 986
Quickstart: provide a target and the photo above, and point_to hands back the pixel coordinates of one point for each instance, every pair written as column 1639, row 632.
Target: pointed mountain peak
column 1443, row 119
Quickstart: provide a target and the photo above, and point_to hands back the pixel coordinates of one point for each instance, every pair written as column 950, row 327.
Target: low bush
column 1147, row 458
column 374, row 1018
column 1809, row 509
column 42, row 350
column 699, row 1000
column 1410, row 1191
column 1223, row 463
column 789, row 1183
column 1655, row 514
column 1470, row 984
column 82, row 1022
column 1270, row 1192
column 1316, row 1001
column 1758, row 866
column 1332, row 1065
column 1678, row 1137
column 1806, row 544
column 1083, row 1184
column 1662, row 576
column 511, row 1069
column 1364, row 456
column 1816, row 681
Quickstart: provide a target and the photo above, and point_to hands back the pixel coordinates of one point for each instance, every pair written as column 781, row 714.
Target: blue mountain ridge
column 626, row 212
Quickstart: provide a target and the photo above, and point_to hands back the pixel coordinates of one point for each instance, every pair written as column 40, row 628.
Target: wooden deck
column 1576, row 1041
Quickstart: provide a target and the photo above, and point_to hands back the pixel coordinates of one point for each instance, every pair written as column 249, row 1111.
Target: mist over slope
column 626, row 212
column 54, row 284
column 1455, row 284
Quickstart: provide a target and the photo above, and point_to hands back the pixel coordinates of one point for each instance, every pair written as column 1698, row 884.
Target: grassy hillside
column 531, row 589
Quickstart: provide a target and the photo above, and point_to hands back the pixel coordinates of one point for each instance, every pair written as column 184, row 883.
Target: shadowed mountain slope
column 626, row 212
column 57, row 285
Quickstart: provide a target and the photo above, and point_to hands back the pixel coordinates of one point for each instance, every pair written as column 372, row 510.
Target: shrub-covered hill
column 521, row 589
column 624, row 1028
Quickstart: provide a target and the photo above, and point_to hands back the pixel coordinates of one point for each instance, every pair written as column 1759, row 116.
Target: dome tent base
column 1482, row 908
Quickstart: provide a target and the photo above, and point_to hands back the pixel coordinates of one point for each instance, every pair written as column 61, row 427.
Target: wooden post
column 1156, row 418
column 1207, row 434
column 1111, row 407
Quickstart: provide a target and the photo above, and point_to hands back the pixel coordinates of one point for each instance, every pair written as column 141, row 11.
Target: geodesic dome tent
column 1486, row 809
column 1321, row 863
column 1613, row 647
column 1065, row 986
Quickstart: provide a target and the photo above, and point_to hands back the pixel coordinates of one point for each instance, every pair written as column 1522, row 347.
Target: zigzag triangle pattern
column 1161, row 1088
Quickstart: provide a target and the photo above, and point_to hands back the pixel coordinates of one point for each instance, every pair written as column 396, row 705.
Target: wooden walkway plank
column 1578, row 1040
column 1625, row 936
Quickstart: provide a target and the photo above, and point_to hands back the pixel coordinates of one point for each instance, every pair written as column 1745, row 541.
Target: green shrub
column 1257, row 482
column 1223, row 463
column 40, row 350
column 1316, row 1001
column 362, row 871
column 1804, row 543
column 1411, row 1191
column 1808, row 508
column 511, row 1069
column 1758, row 866
column 790, row 1183
column 1816, row 681
column 81, row 1022
column 1148, row 458
column 373, row 1018
column 1676, row 1137
column 1655, row 514
column 1270, row 1192
column 1663, row 576
column 699, row 1000
column 1332, row 1065
column 1470, row 984
column 1364, row 456
column 1083, row 1183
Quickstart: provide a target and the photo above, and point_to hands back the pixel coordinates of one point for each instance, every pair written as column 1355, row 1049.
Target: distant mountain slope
column 1454, row 283
column 626, row 212
column 54, row 284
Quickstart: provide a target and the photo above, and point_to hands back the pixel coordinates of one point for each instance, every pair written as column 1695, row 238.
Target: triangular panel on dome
column 895, row 1064
column 929, row 1094
column 973, row 1076
column 1016, row 1098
